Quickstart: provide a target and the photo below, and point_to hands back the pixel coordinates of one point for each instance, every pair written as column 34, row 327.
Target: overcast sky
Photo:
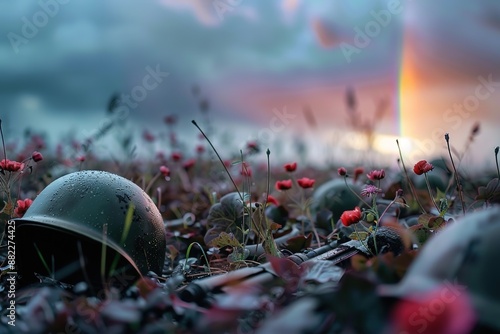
column 60, row 62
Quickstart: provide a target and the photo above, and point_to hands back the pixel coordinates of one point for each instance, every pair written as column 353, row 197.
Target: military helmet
column 90, row 221
column 465, row 253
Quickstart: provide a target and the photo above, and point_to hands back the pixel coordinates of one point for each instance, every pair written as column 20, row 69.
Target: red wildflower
column 283, row 185
column 252, row 146
column 245, row 170
column 376, row 175
column 81, row 158
column 176, row 156
column 272, row 200
column 37, row 156
column 350, row 217
column 290, row 167
column 435, row 312
column 342, row 171
column 188, row 164
column 148, row 136
column 200, row 149
column 170, row 119
column 22, row 207
column 357, row 173
column 11, row 166
column 422, row 167
column 165, row 171
column 306, row 182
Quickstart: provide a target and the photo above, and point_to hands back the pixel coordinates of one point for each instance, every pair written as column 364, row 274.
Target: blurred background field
column 329, row 82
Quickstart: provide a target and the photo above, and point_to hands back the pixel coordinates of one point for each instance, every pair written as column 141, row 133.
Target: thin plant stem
column 496, row 160
column 355, row 193
column 3, row 141
column 268, row 153
column 150, row 184
column 457, row 179
column 188, row 251
column 220, row 159
column 410, row 184
column 430, row 191
column 4, row 153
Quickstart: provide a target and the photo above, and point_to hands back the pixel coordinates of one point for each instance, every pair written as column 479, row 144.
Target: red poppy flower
column 80, row 158
column 253, row 146
column 290, row 167
column 22, row 207
column 342, row 171
column 200, row 149
column 422, row 167
column 148, row 136
column 37, row 156
column 188, row 164
column 283, row 185
column 165, row 171
column 435, row 312
column 306, row 182
column 350, row 217
column 176, row 156
column 11, row 166
column 272, row 200
column 357, row 173
column 376, row 175
column 170, row 119
column 246, row 171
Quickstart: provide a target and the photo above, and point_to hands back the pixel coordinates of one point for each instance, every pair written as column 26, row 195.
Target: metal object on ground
column 90, row 226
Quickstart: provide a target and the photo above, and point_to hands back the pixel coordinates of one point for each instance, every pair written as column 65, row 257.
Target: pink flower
column 22, row 207
column 11, row 166
column 376, row 175
column 165, row 171
column 306, row 182
column 422, row 167
column 342, row 171
column 80, row 158
column 283, row 185
column 350, row 217
column 290, row 167
column 37, row 156
column 369, row 190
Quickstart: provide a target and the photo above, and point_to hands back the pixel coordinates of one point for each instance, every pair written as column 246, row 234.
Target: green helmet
column 335, row 196
column 465, row 253
column 78, row 217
